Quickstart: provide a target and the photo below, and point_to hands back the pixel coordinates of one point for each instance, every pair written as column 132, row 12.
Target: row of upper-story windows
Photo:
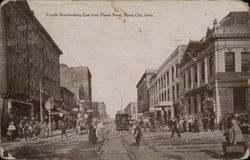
column 230, row 61
column 19, row 83
column 198, row 72
column 164, row 80
column 230, row 66
column 167, row 96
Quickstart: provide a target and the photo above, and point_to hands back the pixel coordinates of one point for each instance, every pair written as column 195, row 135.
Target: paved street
column 118, row 145
column 73, row 147
column 160, row 146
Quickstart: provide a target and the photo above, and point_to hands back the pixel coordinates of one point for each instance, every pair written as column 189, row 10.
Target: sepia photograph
column 124, row 80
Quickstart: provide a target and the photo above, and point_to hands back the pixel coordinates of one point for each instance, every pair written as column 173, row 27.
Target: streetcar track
column 164, row 155
column 131, row 154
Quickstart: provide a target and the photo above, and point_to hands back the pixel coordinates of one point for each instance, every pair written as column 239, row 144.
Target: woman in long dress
column 92, row 133
column 234, row 135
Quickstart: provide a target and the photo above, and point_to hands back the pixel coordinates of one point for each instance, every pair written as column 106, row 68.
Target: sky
column 118, row 50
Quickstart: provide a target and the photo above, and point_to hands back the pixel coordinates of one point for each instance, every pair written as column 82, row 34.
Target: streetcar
column 122, row 121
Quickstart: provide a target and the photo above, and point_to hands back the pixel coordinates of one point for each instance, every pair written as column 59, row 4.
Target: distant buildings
column 99, row 110
column 68, row 99
column 131, row 109
column 29, row 62
column 143, row 91
column 207, row 77
column 78, row 81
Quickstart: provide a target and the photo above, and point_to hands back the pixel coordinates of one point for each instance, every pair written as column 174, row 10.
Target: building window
column 173, row 89
column 189, row 105
column 239, row 97
column 172, row 74
column 202, row 99
column 177, row 90
column 211, row 65
column 165, row 95
column 195, row 74
column 184, row 80
column 164, row 80
column 168, row 94
column 202, row 70
column 195, row 104
column 245, row 56
column 176, row 71
column 189, row 78
column 230, row 61
column 167, row 78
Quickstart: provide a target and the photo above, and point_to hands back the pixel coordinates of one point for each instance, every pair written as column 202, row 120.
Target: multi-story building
column 68, row 99
column 215, row 70
column 164, row 86
column 29, row 64
column 143, row 91
column 78, row 81
column 131, row 109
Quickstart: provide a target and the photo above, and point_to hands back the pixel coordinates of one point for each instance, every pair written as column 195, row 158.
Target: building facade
column 68, row 98
column 143, row 91
column 78, row 81
column 29, row 62
column 215, row 70
column 164, row 87
column 131, row 109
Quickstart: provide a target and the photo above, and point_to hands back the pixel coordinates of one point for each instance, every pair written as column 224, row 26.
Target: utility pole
column 41, row 104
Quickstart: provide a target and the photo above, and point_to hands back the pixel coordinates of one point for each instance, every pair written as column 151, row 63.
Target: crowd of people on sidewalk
column 27, row 128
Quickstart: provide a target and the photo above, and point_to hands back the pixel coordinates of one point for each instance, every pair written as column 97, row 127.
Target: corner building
column 29, row 60
column 215, row 70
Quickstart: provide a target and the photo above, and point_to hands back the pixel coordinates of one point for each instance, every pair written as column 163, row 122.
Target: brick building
column 29, row 60
column 164, row 86
column 215, row 70
column 78, row 81
column 143, row 91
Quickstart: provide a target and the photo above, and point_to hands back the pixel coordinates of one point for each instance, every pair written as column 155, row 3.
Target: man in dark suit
column 175, row 127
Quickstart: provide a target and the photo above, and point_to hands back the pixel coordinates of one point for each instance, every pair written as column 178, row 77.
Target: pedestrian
column 11, row 131
column 205, row 123
column 180, row 126
column 162, row 123
column 30, row 129
column 137, row 134
column 190, row 121
column 36, row 128
column 195, row 125
column 64, row 129
column 92, row 133
column 26, row 131
column 233, row 135
column 170, row 124
column 175, row 127
column 184, row 125
column 212, row 123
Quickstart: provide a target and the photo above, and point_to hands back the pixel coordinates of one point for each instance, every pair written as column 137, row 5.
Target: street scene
column 124, row 80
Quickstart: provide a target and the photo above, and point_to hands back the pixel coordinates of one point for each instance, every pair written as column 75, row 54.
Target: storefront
column 15, row 107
